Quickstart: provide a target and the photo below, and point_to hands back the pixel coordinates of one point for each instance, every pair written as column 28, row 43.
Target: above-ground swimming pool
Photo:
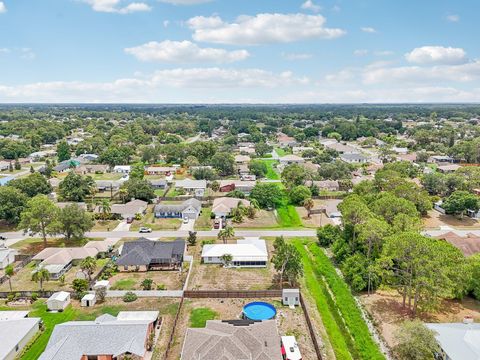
column 259, row 310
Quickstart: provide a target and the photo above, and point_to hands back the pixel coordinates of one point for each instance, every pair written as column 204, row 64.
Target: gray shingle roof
column 146, row 252
column 162, row 208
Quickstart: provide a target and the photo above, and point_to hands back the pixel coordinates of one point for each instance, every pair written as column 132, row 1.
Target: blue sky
column 239, row 51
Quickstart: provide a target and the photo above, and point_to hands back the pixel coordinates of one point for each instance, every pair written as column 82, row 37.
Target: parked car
column 129, row 220
column 145, row 230
column 216, row 223
column 186, row 220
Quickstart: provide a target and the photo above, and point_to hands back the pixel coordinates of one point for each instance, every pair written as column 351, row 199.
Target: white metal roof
column 60, row 296
column 12, row 332
column 291, row 348
column 458, row 340
column 137, row 316
column 249, row 249
column 12, row 315
column 89, row 297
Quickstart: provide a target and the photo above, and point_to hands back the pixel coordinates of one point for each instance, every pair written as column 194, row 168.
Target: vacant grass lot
column 271, row 174
column 288, row 217
column 107, row 176
column 263, row 220
column 33, row 245
column 204, row 222
column 170, row 280
column 347, row 331
column 149, row 220
column 105, row 225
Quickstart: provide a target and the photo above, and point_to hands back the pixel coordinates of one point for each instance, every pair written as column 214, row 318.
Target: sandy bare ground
column 387, row 312
column 172, row 280
column 434, row 220
column 289, row 322
column 263, row 219
column 315, row 220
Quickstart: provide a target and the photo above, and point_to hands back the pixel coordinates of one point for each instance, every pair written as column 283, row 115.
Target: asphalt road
column 13, row 237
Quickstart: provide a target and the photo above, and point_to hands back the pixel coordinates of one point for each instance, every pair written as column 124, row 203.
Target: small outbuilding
column 89, row 300
column 101, row 284
column 58, row 301
column 291, row 297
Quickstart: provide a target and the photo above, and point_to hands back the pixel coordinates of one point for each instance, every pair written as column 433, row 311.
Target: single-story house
column 189, row 209
column 35, row 156
column 300, row 149
column 58, row 301
column 469, row 245
column 354, row 158
column 66, row 165
column 59, row 260
column 243, row 169
column 124, row 169
column 92, row 169
column 245, row 338
column 338, row 147
column 246, row 150
column 230, row 185
column 130, row 209
column 158, row 184
column 84, row 158
column 450, row 168
column 284, row 140
column 222, row 207
column 4, row 165
column 458, row 341
column 242, row 159
column 249, row 252
column 438, row 159
column 103, row 247
column 106, row 338
column 197, row 187
column 7, row 257
column 161, row 170
column 291, row 159
column 16, row 331
column 108, row 185
column 144, row 254
column 330, row 185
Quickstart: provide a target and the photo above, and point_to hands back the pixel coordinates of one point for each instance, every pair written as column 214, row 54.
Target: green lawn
column 199, row 317
column 288, row 216
column 124, row 284
column 204, row 221
column 281, row 152
column 347, row 331
column 271, row 173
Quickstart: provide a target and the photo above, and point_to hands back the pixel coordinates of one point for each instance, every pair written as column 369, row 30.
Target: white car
column 186, row 220
column 145, row 230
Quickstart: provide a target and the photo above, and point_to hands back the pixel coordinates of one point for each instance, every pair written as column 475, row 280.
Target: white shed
column 101, row 283
column 58, row 301
column 89, row 300
column 291, row 297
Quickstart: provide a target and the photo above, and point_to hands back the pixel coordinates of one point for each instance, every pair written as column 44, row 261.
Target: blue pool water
column 259, row 310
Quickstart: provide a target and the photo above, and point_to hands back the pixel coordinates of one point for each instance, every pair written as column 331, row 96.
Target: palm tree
column 9, row 271
column 226, row 234
column 88, row 266
column 41, row 275
column 105, row 209
column 123, row 194
column 226, row 259
column 308, row 204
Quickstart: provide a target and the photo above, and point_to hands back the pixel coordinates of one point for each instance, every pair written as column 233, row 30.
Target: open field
column 112, row 306
column 216, row 277
column 23, row 279
column 263, row 219
column 385, row 307
column 169, row 280
column 347, row 332
column 105, row 225
column 195, row 312
column 435, row 220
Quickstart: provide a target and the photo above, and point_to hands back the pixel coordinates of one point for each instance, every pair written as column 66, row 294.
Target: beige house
column 222, row 207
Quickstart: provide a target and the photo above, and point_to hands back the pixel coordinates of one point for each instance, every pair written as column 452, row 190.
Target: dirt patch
column 315, row 220
column 216, row 277
column 289, row 321
column 172, row 280
column 434, row 220
column 387, row 312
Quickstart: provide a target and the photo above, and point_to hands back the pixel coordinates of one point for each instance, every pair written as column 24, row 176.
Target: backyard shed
column 58, row 301
column 89, row 300
column 291, row 297
column 101, row 283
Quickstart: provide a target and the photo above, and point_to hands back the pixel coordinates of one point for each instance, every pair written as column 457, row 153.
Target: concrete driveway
column 188, row 226
column 123, row 226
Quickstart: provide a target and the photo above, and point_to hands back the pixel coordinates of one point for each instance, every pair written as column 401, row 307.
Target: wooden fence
column 27, row 294
column 172, row 334
column 310, row 328
column 24, row 260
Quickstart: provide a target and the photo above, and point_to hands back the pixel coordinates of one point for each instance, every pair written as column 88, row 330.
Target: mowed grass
column 288, row 217
column 347, row 331
column 199, row 317
column 124, row 284
column 271, row 173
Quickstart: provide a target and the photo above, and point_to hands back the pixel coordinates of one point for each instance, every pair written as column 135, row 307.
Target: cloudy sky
column 239, row 51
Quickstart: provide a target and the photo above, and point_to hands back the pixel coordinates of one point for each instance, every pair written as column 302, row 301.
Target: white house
column 291, row 159
column 458, row 341
column 16, row 331
column 124, row 169
column 7, row 257
column 354, row 158
column 249, row 252
column 58, row 301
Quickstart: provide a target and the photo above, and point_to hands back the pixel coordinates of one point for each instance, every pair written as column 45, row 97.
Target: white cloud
column 117, row 6
column 184, row 52
column 172, row 85
column 166, row 23
column 4, row 50
column 262, row 29
column 453, row 18
column 3, row 8
column 368, row 29
column 436, row 55
column 310, row 5
column 383, row 53
column 296, row 56
column 360, row 52
column 27, row 54
column 185, row 2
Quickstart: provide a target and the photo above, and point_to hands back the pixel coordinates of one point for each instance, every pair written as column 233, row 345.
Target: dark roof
column 145, row 252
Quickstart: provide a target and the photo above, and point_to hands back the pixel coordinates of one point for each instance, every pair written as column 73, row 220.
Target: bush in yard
column 299, row 194
column 10, row 297
column 79, row 286
column 161, row 287
column 34, row 297
column 328, row 234
column 147, row 284
column 129, row 297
